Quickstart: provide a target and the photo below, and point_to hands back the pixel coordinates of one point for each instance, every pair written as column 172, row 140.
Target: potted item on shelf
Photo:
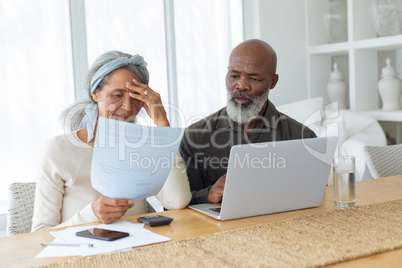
column 386, row 16
column 390, row 88
column 335, row 22
column 337, row 88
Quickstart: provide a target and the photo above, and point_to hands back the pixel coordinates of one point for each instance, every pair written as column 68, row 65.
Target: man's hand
column 109, row 210
column 215, row 193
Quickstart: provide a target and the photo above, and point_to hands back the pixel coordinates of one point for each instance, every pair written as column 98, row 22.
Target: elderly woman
column 118, row 88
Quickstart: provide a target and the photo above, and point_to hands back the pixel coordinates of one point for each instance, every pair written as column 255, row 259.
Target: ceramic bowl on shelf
column 386, row 16
column 335, row 22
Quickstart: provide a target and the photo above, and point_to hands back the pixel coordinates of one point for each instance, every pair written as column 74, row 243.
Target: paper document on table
column 138, row 237
column 130, row 160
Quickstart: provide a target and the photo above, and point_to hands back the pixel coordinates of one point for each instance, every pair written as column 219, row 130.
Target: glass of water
column 344, row 181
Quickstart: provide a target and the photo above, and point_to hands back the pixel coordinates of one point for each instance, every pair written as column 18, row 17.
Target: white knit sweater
column 64, row 193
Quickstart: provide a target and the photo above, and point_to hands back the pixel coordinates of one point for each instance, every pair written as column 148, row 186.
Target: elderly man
column 249, row 117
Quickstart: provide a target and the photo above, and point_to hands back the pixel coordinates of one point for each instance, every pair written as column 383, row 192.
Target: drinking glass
column 344, row 181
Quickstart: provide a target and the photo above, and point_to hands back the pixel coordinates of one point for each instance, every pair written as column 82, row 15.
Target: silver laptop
column 270, row 177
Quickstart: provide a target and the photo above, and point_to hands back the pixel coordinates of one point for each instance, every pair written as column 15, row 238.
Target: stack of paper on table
column 138, row 237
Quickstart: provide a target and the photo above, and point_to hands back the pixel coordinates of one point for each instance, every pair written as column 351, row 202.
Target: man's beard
column 243, row 113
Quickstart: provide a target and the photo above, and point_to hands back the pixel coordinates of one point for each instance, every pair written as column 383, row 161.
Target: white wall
column 282, row 25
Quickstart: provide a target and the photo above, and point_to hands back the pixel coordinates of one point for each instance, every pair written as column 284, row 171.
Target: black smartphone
column 102, row 234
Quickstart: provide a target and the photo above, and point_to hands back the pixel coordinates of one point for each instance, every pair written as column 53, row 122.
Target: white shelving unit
column 360, row 58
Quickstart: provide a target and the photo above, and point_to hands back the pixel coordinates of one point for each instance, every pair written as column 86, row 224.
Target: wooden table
column 20, row 250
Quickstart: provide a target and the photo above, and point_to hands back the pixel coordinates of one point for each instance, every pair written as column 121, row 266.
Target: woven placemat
column 308, row 241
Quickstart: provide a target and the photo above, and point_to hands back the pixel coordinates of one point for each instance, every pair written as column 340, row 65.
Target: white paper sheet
column 138, row 237
column 132, row 161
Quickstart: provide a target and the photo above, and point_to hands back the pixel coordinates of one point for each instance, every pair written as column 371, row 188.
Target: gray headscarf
column 91, row 110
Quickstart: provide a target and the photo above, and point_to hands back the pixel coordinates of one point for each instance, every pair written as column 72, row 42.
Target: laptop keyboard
column 216, row 209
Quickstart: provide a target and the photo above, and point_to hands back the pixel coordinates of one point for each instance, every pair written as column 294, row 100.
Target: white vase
column 335, row 22
column 386, row 16
column 390, row 88
column 337, row 88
